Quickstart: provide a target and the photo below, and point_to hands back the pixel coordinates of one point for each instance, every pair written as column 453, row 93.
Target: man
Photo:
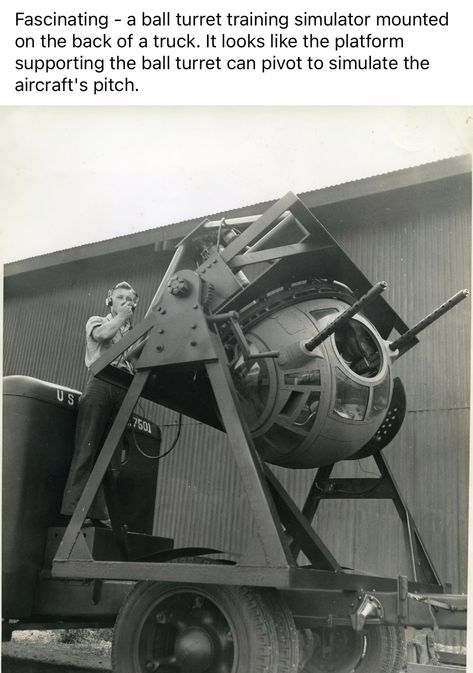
column 99, row 403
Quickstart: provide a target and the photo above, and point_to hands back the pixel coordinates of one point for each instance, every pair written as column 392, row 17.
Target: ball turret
column 311, row 408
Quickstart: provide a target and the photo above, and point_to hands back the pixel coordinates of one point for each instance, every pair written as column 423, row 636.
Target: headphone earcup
column 109, row 300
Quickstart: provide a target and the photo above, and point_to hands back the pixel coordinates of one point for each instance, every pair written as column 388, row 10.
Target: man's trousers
column 98, row 406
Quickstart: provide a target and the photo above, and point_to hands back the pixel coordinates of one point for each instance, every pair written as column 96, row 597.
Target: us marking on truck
column 140, row 424
column 70, row 399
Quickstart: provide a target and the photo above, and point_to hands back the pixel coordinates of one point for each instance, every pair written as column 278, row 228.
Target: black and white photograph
column 236, row 393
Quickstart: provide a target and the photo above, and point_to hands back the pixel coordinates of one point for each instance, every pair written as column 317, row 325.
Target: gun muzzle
column 401, row 342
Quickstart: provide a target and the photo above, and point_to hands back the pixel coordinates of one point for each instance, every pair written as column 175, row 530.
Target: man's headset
column 125, row 286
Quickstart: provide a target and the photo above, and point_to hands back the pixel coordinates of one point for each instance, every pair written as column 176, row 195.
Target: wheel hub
column 187, row 633
column 194, row 650
column 332, row 650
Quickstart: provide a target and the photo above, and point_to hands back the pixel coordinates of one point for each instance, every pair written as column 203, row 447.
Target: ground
column 46, row 652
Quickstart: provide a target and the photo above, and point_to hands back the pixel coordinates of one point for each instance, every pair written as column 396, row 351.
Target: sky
column 75, row 175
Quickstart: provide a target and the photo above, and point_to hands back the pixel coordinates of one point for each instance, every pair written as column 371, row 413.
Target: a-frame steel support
column 383, row 487
column 176, row 333
column 165, row 347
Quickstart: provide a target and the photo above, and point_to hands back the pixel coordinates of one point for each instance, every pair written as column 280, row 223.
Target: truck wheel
column 198, row 628
column 378, row 649
column 384, row 650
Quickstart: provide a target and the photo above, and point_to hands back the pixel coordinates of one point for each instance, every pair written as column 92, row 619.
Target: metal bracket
column 402, row 599
column 232, row 318
column 370, row 607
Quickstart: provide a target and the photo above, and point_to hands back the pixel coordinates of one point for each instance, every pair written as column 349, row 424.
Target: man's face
column 121, row 297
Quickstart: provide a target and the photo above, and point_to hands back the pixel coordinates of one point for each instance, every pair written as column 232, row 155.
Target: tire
column 286, row 632
column 199, row 628
column 385, row 650
column 378, row 649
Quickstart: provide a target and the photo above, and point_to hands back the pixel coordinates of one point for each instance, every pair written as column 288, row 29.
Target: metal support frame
column 383, row 487
column 422, row 567
column 205, row 349
column 299, row 528
column 177, row 333
column 274, row 546
column 434, row 668
column 316, row 246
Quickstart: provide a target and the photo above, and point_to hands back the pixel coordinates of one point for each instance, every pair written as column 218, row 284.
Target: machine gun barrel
column 404, row 339
column 344, row 317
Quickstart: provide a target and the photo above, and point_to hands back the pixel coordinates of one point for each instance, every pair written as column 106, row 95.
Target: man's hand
column 109, row 328
column 125, row 311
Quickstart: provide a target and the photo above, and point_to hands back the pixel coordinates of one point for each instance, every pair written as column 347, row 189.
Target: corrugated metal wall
column 424, row 254
column 423, row 251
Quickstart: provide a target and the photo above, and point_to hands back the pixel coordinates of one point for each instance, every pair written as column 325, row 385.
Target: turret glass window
column 351, row 400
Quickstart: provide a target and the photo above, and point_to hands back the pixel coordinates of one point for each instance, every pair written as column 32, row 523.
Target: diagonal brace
column 422, row 565
column 276, row 552
column 105, row 456
column 299, row 527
